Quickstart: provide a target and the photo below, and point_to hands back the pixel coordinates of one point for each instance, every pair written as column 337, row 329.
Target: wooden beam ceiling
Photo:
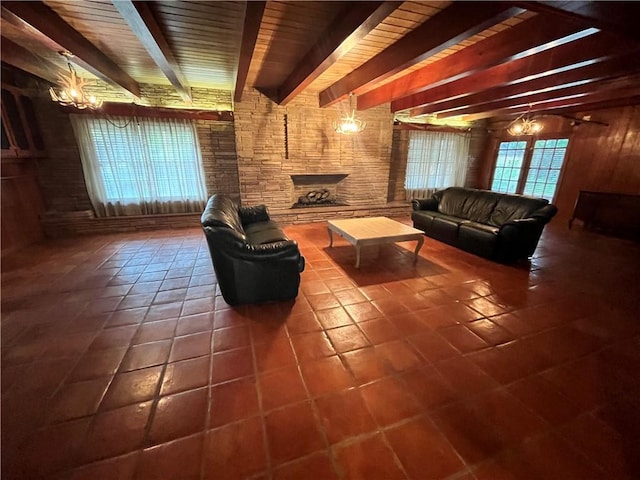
column 448, row 27
column 19, row 57
column 250, row 29
column 526, row 38
column 613, row 68
column 582, row 101
column 144, row 25
column 351, row 26
column 615, row 17
column 41, row 22
column 534, row 98
column 592, row 49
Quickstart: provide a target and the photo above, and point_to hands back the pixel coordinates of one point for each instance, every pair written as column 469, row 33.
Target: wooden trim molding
column 133, row 110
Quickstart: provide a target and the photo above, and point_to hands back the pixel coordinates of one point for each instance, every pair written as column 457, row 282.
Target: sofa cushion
column 453, row 200
column 264, row 232
column 513, row 207
column 221, row 211
column 478, row 238
column 480, row 205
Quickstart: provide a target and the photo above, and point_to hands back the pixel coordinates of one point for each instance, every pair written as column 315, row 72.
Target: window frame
column 526, row 161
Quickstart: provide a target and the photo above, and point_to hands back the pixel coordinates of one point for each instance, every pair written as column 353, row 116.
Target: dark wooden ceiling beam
column 568, row 91
column 19, row 57
column 594, row 48
column 351, row 26
column 573, row 101
column 526, row 38
column 615, row 17
column 146, row 28
column 38, row 20
column 250, row 29
column 448, row 27
column 613, row 68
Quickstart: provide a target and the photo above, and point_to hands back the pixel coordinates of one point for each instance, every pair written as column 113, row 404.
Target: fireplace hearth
column 317, row 198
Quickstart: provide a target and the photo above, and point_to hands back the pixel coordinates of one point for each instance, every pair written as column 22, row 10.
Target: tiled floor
column 120, row 360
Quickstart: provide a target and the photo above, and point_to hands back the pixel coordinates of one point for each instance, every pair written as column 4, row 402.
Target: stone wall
column 312, row 146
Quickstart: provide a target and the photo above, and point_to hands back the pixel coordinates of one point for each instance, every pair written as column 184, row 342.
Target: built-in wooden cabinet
column 21, row 135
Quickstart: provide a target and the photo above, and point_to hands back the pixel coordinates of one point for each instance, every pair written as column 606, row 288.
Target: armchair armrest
column 424, row 204
column 249, row 215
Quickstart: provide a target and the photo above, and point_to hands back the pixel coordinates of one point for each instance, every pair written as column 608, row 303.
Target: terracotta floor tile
column 177, row 460
column 190, row 346
column 361, row 312
column 303, row 323
column 432, row 346
column 79, row 399
column 232, row 401
column 194, row 323
column 155, row 331
column 350, row 296
column 186, row 375
column 389, row 306
column 132, row 387
column 179, row 415
column 464, row 376
column 429, row 387
column 389, row 401
column 366, row 365
column 235, row 451
column 273, row 355
column 344, row 415
column 333, row 317
column 228, row 318
column 281, row 387
column 318, row 463
column 163, row 312
column 231, row 364
column 347, row 338
column 292, row 432
column 380, row 330
column 326, row 375
column 422, row 450
column 114, row 337
column 490, row 332
column 312, row 346
column 116, row 432
column 231, row 337
column 323, row 301
column 369, row 458
column 398, row 355
column 132, row 316
column 408, row 323
column 122, row 468
column 99, row 363
column 146, row 355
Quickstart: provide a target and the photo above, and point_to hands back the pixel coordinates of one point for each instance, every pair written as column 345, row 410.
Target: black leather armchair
column 253, row 259
column 493, row 225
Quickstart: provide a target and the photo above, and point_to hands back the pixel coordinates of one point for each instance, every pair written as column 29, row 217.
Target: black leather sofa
column 493, row 225
column 253, row 259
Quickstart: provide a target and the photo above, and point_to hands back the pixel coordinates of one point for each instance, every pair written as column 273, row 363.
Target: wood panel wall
column 601, row 158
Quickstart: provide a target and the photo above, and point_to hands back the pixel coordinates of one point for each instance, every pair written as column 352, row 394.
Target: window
column 529, row 167
column 140, row 165
column 435, row 160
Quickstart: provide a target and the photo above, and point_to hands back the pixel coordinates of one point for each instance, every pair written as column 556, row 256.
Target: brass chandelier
column 349, row 124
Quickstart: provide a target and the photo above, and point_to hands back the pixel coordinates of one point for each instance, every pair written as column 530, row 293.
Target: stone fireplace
column 317, row 189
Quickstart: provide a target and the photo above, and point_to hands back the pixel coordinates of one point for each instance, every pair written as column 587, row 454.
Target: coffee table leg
column 418, row 247
column 330, row 237
column 357, row 255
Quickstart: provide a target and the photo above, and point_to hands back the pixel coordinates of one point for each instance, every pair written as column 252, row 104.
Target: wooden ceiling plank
column 567, row 91
column 19, row 57
column 351, row 26
column 509, row 44
column 612, row 68
column 615, row 17
column 252, row 20
column 573, row 101
column 145, row 27
column 448, row 27
column 594, row 48
column 38, row 20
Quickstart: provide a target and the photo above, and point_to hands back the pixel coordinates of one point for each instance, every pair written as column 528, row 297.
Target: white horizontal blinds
column 141, row 161
column 544, row 170
column 508, row 166
column 435, row 160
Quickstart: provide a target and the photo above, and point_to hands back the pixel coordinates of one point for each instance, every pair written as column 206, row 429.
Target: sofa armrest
column 249, row 215
column 424, row 204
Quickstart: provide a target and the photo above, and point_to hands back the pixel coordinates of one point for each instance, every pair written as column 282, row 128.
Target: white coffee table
column 374, row 231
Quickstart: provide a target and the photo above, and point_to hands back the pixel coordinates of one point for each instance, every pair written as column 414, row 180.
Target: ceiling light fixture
column 71, row 90
column 349, row 124
column 524, row 125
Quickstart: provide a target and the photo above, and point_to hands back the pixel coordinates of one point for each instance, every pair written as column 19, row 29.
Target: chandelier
column 349, row 124
column 524, row 125
column 71, row 90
